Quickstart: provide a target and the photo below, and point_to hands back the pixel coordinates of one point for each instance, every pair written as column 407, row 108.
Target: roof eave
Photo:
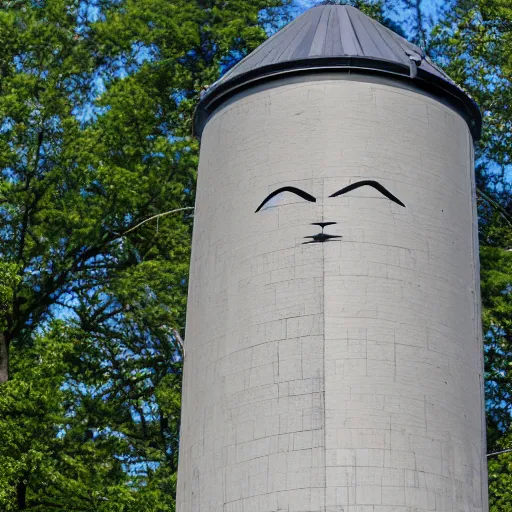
column 425, row 80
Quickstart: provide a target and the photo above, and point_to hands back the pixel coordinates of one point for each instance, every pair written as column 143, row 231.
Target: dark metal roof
column 337, row 38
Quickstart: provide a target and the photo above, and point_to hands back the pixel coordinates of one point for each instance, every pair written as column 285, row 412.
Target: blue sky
column 398, row 12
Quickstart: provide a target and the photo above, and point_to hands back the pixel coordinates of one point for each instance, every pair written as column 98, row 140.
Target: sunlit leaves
column 97, row 100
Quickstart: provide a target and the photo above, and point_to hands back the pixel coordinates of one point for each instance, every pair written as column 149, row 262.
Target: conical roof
column 337, row 38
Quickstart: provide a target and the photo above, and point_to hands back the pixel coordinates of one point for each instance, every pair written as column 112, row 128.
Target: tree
column 475, row 45
column 97, row 189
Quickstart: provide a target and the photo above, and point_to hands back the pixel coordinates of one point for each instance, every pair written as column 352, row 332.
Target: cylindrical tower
column 333, row 345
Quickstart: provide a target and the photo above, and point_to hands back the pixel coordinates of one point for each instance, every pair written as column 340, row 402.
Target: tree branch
column 153, row 218
column 496, row 205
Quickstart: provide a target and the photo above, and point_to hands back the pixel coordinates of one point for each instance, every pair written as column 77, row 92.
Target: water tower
column 333, row 344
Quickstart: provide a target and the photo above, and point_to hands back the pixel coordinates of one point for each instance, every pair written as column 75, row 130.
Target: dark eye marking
column 370, row 183
column 293, row 190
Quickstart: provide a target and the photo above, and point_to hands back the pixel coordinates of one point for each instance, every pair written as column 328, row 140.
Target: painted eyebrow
column 370, row 183
column 293, row 190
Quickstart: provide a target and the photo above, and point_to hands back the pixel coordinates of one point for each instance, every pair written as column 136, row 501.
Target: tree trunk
column 21, row 491
column 4, row 358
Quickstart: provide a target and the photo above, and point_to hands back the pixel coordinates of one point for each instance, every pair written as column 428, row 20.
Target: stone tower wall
column 343, row 376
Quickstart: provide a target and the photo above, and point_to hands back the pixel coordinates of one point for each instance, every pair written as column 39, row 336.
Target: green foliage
column 500, row 481
column 9, row 280
column 96, row 102
column 61, row 449
column 496, row 270
column 475, row 45
column 30, row 414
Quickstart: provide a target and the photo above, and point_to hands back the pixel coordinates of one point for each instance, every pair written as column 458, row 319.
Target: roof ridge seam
column 327, row 28
column 306, row 21
column 370, row 36
column 377, row 26
column 355, row 32
column 311, row 32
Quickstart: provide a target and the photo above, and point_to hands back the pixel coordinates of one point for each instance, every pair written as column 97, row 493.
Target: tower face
column 333, row 345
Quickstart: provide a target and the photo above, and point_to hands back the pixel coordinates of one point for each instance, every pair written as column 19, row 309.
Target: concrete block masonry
column 339, row 376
